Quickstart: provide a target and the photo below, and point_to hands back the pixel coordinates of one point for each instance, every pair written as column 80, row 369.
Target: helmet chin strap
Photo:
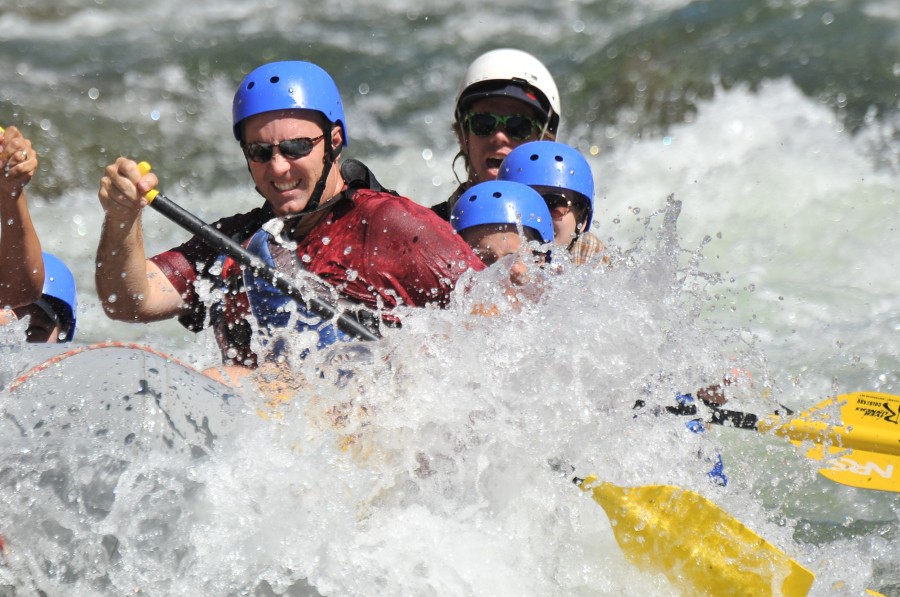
column 546, row 127
column 316, row 197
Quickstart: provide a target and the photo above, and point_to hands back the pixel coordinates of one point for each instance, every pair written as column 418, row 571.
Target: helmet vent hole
column 274, row 79
column 497, row 194
column 559, row 158
column 473, row 198
column 251, row 85
column 534, row 157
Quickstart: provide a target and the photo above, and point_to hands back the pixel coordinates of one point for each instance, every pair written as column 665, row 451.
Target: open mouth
column 494, row 163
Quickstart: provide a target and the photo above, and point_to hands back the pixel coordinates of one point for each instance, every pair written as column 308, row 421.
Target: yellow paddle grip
column 145, row 167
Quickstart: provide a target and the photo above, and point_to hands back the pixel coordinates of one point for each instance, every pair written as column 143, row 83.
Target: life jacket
column 274, row 310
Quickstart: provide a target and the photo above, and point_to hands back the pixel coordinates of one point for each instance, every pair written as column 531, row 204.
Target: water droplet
column 347, row 250
column 326, row 240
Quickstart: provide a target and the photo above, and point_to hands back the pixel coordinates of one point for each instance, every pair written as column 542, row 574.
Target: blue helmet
column 59, row 294
column 288, row 85
column 502, row 202
column 552, row 168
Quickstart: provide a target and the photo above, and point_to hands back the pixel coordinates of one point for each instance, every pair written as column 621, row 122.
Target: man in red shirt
column 363, row 243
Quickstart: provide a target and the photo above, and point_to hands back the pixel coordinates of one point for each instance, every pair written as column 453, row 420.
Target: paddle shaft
column 859, row 436
column 214, row 238
column 720, row 416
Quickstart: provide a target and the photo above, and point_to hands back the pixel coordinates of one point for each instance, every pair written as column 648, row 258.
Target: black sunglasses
column 553, row 201
column 516, row 126
column 291, row 149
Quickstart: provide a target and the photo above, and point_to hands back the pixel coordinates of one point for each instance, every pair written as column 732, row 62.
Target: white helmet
column 512, row 73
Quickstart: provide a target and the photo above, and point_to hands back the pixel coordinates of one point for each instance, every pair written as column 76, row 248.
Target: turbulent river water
column 773, row 127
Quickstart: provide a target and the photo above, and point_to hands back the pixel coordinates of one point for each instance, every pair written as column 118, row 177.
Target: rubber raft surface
column 124, row 393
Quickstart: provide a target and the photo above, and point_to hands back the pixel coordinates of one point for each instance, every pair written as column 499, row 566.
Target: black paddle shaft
column 720, row 416
column 345, row 322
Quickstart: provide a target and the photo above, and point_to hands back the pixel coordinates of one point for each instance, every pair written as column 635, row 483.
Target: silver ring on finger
column 24, row 155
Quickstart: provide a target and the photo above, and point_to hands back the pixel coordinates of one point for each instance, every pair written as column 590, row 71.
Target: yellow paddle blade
column 869, row 421
column 698, row 546
column 858, row 468
column 876, row 410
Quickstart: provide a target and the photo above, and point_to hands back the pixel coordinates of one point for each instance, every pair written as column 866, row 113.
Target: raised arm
column 130, row 287
column 21, row 262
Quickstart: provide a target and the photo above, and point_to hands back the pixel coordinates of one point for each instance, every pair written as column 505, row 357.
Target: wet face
column 565, row 224
column 567, row 219
column 287, row 181
column 486, row 153
column 492, row 241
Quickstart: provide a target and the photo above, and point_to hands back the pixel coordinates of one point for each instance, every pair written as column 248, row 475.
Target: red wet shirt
column 383, row 251
column 373, row 247
column 195, row 260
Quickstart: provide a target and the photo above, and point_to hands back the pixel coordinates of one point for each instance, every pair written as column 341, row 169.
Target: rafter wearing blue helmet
column 334, row 229
column 52, row 317
column 563, row 177
column 291, row 85
column 489, row 214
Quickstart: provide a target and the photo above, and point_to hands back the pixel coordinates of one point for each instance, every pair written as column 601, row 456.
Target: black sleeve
column 358, row 176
